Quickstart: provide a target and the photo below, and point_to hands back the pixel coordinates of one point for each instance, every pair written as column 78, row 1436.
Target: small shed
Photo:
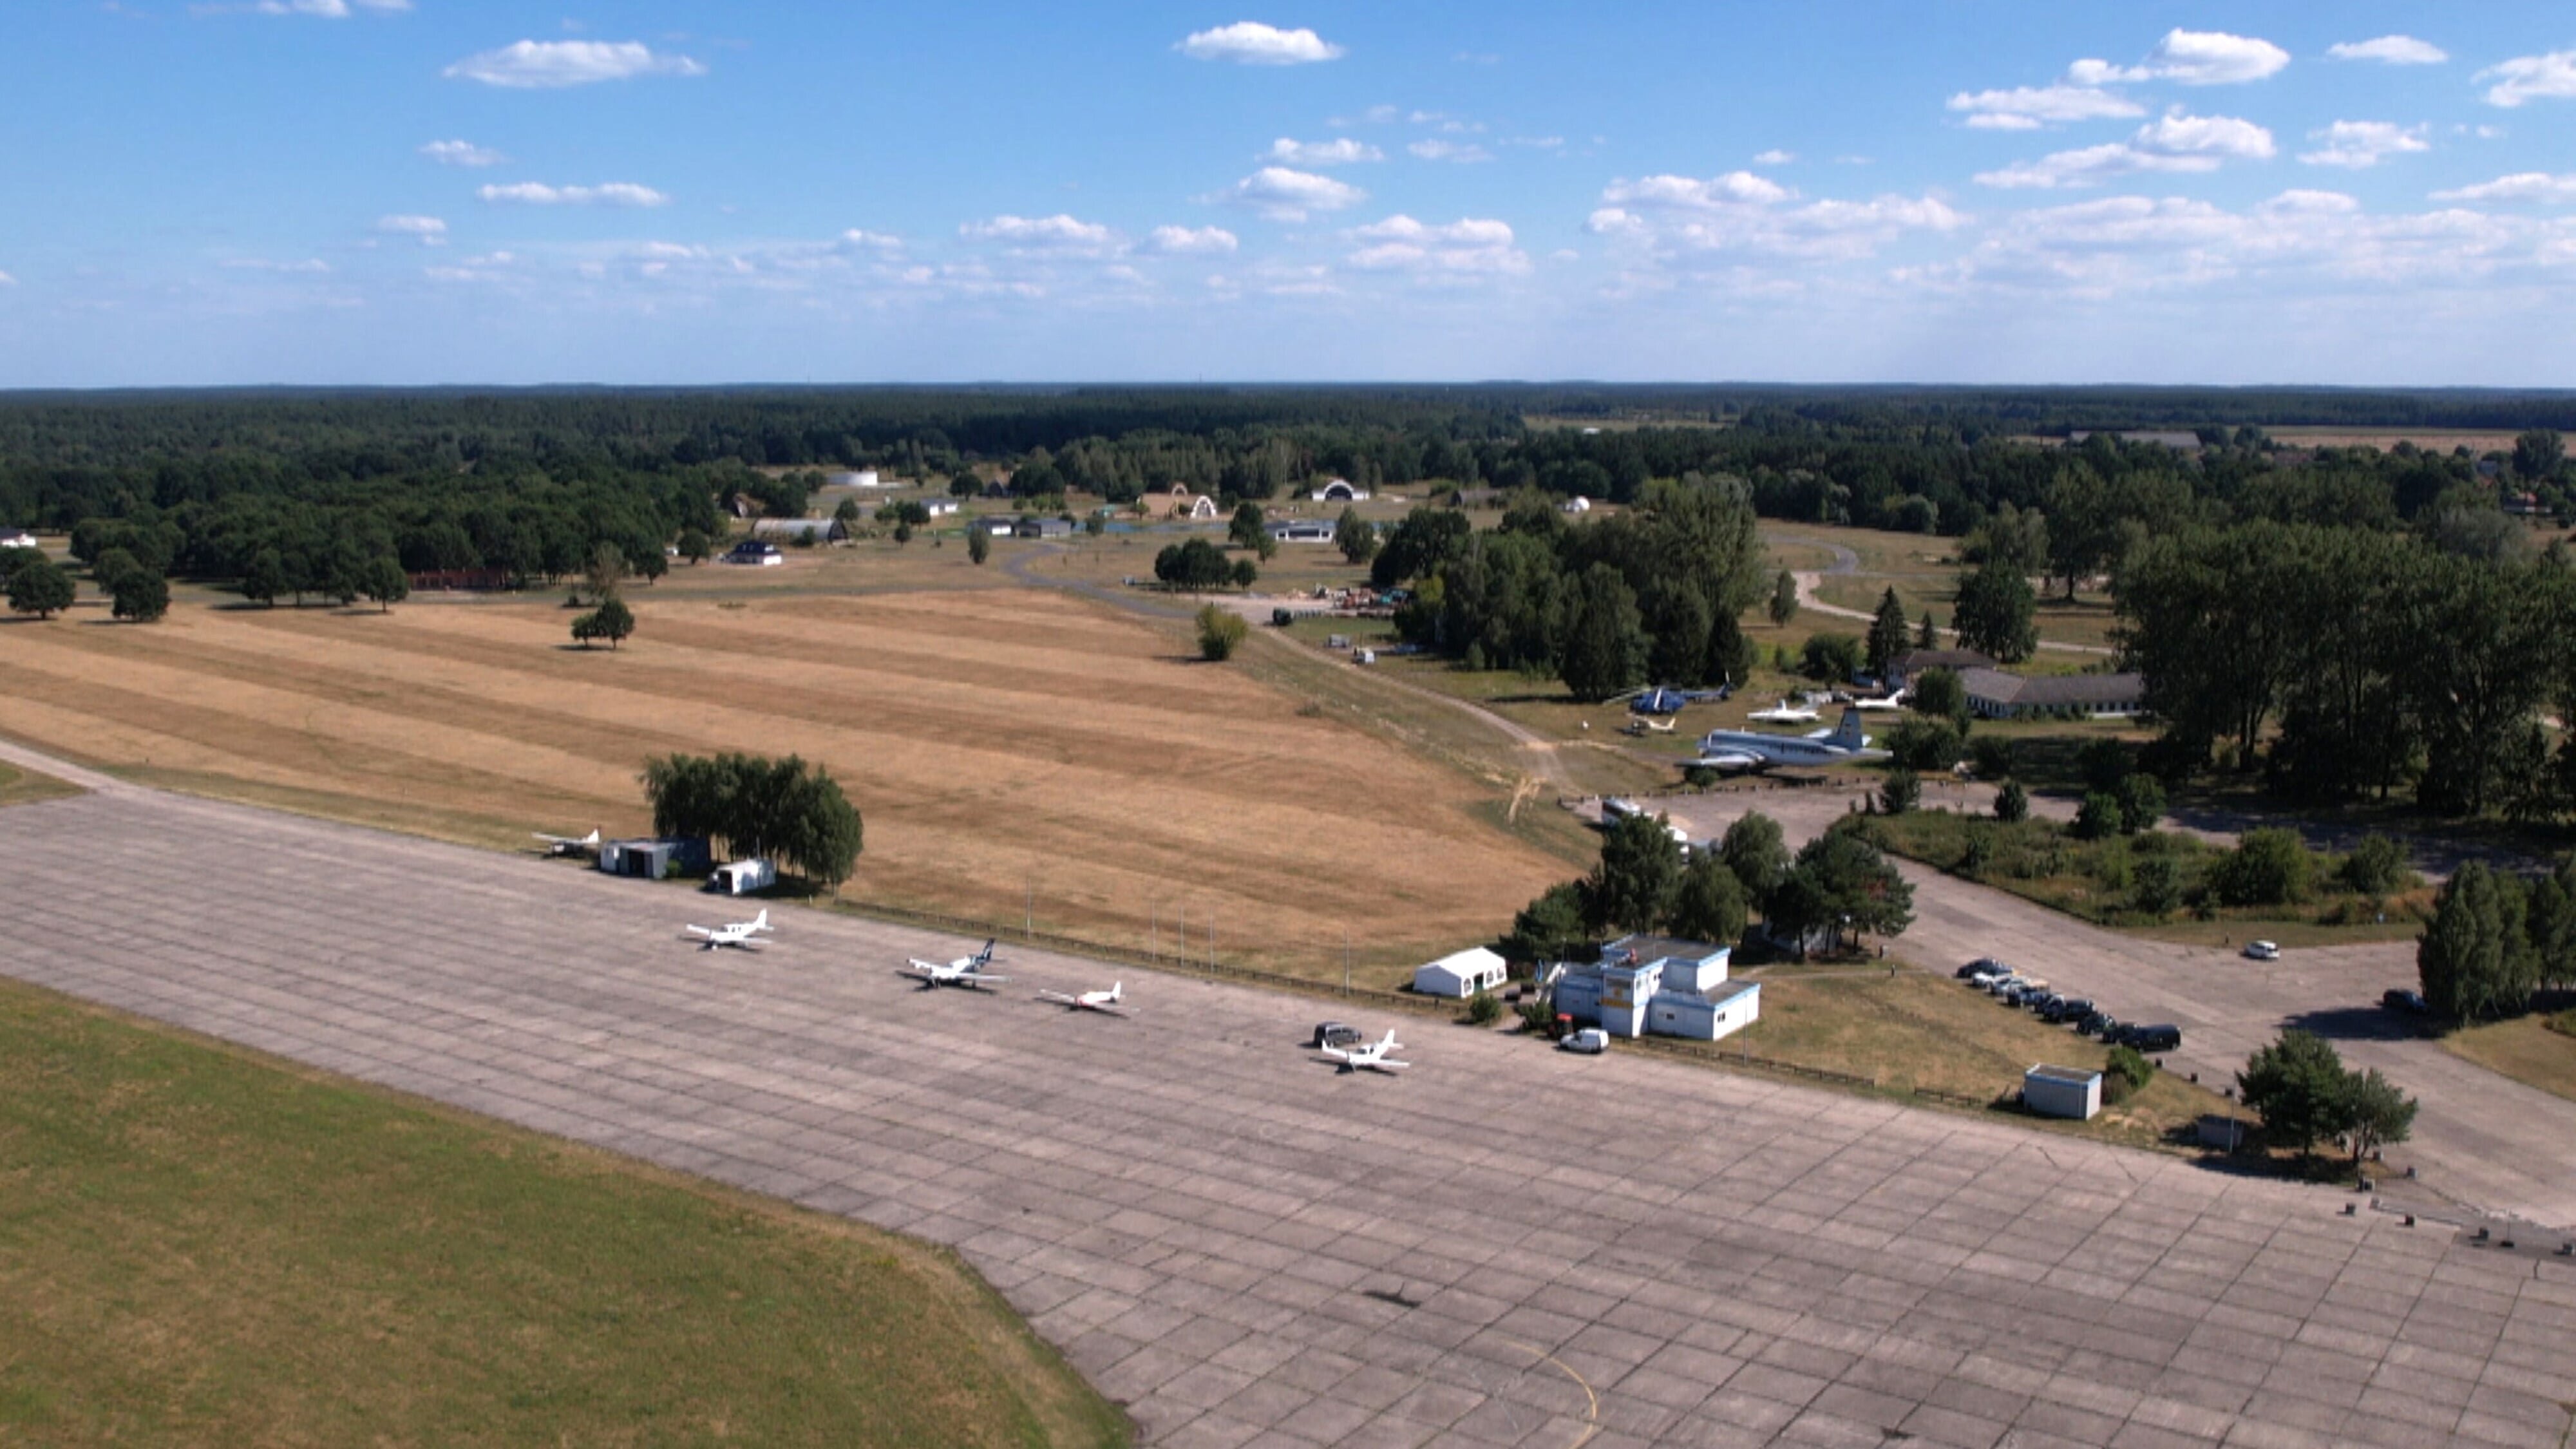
column 2062, row 1092
column 742, row 877
column 855, row 478
column 1044, row 528
column 1461, row 973
column 1576, row 504
column 653, row 859
column 17, row 538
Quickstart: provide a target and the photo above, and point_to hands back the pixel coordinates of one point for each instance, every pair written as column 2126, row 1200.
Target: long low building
column 2001, row 694
column 1658, row 985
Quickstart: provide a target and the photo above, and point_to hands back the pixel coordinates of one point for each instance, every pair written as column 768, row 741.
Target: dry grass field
column 1003, row 744
column 24, row 787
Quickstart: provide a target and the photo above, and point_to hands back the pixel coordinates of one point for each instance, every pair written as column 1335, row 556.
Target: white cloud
column 2192, row 58
column 1690, row 193
column 431, row 230
column 1775, row 157
column 2390, row 50
column 1438, row 150
column 2027, row 108
column 2521, row 186
column 1468, row 248
column 2359, row 145
column 1742, row 212
column 2532, row 77
column 327, row 9
column 1249, row 42
column 1182, row 241
column 537, row 193
column 551, row 64
column 7, row 281
column 875, row 241
column 2172, row 142
column 1341, row 151
column 462, row 153
column 1285, row 195
column 1057, row 235
column 311, row 266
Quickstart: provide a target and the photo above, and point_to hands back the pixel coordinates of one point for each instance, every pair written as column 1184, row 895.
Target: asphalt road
column 1505, row 1247
column 2481, row 1140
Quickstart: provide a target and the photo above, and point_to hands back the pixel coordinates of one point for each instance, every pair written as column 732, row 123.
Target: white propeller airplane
column 1734, row 750
column 1894, row 701
column 1783, row 713
column 742, row 935
column 964, row 971
column 1370, row 1054
column 1101, row 1001
column 569, row 844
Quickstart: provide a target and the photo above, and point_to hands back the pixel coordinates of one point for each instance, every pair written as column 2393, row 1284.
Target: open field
column 2537, row 1050
column 23, row 787
column 1911, row 1029
column 1012, row 751
column 200, row 1246
column 2432, row 440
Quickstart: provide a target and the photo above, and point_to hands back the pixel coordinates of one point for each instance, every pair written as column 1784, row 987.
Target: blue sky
column 684, row 191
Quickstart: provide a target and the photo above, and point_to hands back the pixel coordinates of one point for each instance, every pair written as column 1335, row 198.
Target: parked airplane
column 1372, row 1055
column 964, row 971
column 1783, row 713
column 739, row 934
column 1753, row 750
column 1894, row 701
column 569, row 844
column 1102, row 1001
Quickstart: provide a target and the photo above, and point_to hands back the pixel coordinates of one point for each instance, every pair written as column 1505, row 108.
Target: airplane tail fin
column 986, row 955
column 1847, row 735
column 761, row 922
column 1117, row 989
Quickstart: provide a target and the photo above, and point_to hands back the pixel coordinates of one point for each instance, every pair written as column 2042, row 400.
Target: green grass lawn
column 2536, row 1050
column 198, row 1246
column 25, row 787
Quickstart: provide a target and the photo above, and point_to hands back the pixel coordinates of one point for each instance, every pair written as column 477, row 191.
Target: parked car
column 2262, row 951
column 2149, row 1039
column 2041, row 1003
column 2066, row 1009
column 2098, row 1023
column 1591, row 1041
column 2410, row 1002
column 1982, row 968
column 1335, row 1034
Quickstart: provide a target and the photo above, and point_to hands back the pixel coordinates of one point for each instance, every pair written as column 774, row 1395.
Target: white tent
column 1461, row 973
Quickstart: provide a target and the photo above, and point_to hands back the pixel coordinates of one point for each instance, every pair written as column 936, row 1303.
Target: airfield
column 1505, row 1246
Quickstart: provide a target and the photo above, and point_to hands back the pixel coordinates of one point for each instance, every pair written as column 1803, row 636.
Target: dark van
column 2153, row 1039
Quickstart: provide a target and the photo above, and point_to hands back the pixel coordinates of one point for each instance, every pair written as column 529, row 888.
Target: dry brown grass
column 998, row 741
column 2526, row 1048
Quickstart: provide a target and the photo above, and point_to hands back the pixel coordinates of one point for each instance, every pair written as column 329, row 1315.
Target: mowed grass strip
column 26, row 787
column 200, row 1247
column 2536, row 1050
column 1003, row 745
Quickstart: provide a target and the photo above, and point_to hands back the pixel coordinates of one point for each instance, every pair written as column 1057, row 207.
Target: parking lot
column 2480, row 1139
column 1504, row 1246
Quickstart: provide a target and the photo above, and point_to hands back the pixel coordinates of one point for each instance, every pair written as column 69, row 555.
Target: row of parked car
column 2015, row 989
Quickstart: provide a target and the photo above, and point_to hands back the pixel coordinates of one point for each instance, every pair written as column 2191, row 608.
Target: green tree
column 109, row 567
column 1784, row 599
column 2376, row 867
column 695, row 546
column 1550, row 928
column 2155, row 885
column 1221, row 631
column 2125, row 1072
column 1860, row 889
column 142, row 595
column 1887, row 633
column 758, row 807
column 1754, row 848
column 2474, row 960
column 1605, row 639
column 1992, row 756
column 1244, row 573
column 383, row 581
column 2376, row 1114
column 2271, row 867
column 1924, row 745
column 1355, row 536
column 265, row 578
column 2098, row 818
column 40, row 588
column 611, row 621
column 1900, row 792
column 1710, row 903
column 604, row 572
column 1831, row 658
column 1250, row 529
column 2012, row 803
column 1996, row 614
column 2537, row 455
column 1929, row 636
column 979, row 545
column 1632, row 886
column 2299, row 1087
column 2142, row 803
column 2550, row 926
column 1941, row 694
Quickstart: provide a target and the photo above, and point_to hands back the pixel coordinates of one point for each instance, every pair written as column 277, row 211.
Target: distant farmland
column 1009, row 750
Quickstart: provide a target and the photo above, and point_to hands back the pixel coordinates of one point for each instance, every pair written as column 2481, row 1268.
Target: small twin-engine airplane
column 964, row 971
column 1101, row 1001
column 1784, row 713
column 1372, row 1055
column 738, row 934
column 569, row 844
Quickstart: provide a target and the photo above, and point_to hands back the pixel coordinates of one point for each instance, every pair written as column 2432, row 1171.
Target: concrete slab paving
column 1505, row 1246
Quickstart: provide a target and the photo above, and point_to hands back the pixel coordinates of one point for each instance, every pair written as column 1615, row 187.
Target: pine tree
column 1784, row 598
column 2474, row 960
column 1886, row 633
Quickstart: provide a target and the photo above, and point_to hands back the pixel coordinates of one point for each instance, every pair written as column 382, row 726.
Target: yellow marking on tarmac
column 1592, row 1414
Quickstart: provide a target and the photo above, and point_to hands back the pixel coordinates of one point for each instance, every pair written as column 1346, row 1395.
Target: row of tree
column 782, row 810
column 2496, row 941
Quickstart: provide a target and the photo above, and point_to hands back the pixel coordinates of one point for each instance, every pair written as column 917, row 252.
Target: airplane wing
column 1390, row 1066
column 1058, row 998
column 979, row 979
column 1730, row 761
column 697, row 931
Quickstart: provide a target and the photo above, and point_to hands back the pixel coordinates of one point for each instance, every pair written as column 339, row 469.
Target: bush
column 2267, row 868
column 1537, row 1011
column 2110, row 867
column 2155, row 885
column 1902, row 792
column 2142, row 803
column 1220, row 630
column 1924, row 745
column 1940, row 694
column 2376, row 867
column 1831, row 658
column 2124, row 1074
column 2098, row 818
column 1484, row 1009
column 1993, row 757
column 2012, row 803
column 2105, row 764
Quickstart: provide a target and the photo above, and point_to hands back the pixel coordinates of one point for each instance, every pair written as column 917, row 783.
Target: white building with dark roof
column 1656, row 985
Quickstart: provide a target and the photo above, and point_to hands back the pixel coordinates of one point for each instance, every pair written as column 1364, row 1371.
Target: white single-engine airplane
column 1737, row 750
column 1783, row 713
column 964, row 971
column 1372, row 1055
column 569, row 844
column 1101, row 1001
column 738, row 934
